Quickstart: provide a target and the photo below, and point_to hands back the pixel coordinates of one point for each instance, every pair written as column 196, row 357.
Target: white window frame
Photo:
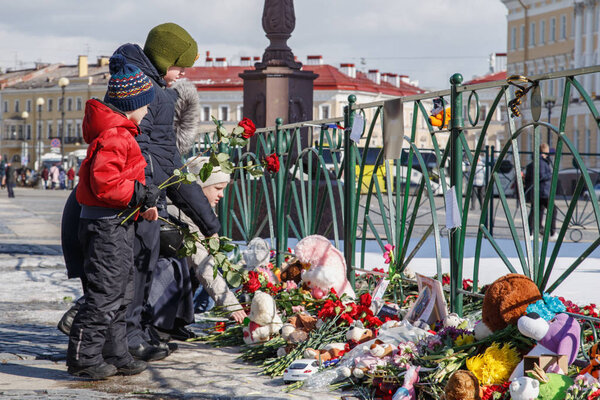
column 221, row 106
column 79, row 103
column 17, row 106
column 513, row 40
column 78, row 129
column 240, row 112
column 563, row 27
column 322, row 108
column 28, row 106
column 552, row 37
column 542, row 32
column 532, row 34
column 49, row 104
column 28, row 133
column 49, row 130
column 206, row 116
column 522, row 37
column 5, row 106
column 69, row 104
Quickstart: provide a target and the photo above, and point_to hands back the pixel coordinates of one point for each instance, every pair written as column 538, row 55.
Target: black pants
column 9, row 187
column 543, row 206
column 477, row 193
column 98, row 332
column 146, row 247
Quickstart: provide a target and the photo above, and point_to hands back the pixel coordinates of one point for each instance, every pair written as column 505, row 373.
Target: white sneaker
column 530, row 237
column 554, row 237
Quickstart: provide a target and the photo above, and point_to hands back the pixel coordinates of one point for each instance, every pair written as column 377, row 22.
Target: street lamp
column 39, row 102
column 549, row 102
column 24, row 152
column 63, row 83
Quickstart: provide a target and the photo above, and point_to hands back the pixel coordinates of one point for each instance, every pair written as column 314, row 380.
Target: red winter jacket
column 114, row 161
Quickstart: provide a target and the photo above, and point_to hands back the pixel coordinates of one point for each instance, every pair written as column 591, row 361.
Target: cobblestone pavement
column 34, row 294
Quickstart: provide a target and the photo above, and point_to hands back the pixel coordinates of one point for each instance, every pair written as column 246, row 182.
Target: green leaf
column 214, row 120
column 222, row 157
column 238, row 130
column 227, row 247
column 190, row 178
column 205, row 172
column 256, row 172
column 220, row 258
column 214, row 244
column 227, row 167
column 234, row 278
column 177, row 172
column 225, row 140
column 213, row 158
column 223, row 132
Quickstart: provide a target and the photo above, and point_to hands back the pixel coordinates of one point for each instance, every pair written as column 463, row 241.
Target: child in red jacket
column 111, row 185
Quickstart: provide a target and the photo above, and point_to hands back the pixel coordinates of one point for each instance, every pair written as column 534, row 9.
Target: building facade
column 42, row 109
column 552, row 36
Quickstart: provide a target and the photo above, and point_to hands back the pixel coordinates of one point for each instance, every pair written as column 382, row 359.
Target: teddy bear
column 264, row 319
column 593, row 369
column 357, row 333
column 524, row 388
column 437, row 117
column 296, row 330
column 324, row 267
column 380, row 349
column 462, row 385
column 328, row 352
column 561, row 335
column 291, row 271
column 505, row 301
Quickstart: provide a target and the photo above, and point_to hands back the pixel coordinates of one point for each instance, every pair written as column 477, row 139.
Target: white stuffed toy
column 325, row 267
column 264, row 319
column 524, row 388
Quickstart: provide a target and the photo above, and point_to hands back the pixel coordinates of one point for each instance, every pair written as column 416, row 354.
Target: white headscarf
column 216, row 176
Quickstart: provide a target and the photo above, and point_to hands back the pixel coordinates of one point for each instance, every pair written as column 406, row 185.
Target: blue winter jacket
column 545, row 178
column 158, row 144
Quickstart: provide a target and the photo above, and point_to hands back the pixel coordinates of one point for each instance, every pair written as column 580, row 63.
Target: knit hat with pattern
column 128, row 87
column 170, row 45
column 216, row 176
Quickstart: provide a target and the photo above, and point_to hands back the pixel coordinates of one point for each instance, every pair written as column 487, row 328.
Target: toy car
column 300, row 370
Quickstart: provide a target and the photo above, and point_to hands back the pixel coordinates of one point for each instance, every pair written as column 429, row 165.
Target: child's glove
column 144, row 196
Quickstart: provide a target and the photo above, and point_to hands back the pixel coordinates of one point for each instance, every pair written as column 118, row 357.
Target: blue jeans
column 202, row 301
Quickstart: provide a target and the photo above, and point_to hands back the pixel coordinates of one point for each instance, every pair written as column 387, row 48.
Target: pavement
column 34, row 294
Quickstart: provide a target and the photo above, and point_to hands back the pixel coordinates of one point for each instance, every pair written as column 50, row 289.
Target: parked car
column 300, row 370
column 586, row 194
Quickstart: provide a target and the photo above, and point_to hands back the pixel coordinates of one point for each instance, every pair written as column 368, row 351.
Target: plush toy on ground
column 328, row 352
column 593, row 368
column 560, row 335
column 462, row 385
column 357, row 333
column 291, row 271
column 524, row 388
column 505, row 302
column 264, row 319
column 326, row 267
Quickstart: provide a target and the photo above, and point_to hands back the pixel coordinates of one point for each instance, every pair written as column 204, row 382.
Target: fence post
column 350, row 191
column 456, row 177
column 279, row 197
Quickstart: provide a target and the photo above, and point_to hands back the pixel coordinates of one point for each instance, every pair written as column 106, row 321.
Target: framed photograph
column 431, row 304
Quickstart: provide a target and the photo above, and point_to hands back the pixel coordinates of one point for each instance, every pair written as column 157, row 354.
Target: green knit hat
column 170, row 45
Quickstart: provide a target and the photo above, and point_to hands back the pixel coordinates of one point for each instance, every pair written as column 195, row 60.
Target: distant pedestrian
column 545, row 178
column 54, row 176
column 62, row 178
column 45, row 176
column 71, row 177
column 2, row 170
column 112, row 180
column 478, row 184
column 9, row 180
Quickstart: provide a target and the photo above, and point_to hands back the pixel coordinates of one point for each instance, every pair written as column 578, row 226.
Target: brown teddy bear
column 291, row 271
column 462, row 385
column 506, row 299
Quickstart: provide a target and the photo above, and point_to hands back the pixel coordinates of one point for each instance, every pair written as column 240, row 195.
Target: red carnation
column 272, row 163
column 248, row 126
column 220, row 327
column 347, row 318
column 365, row 299
column 253, row 284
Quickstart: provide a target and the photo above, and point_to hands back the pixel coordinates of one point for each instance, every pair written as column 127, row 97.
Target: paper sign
column 431, row 304
column 357, row 127
column 393, row 128
column 377, row 296
column 452, row 213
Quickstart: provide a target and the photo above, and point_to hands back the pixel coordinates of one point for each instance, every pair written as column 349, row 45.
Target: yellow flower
column 464, row 339
column 495, row 365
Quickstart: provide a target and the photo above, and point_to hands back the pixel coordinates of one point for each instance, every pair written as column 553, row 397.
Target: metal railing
column 329, row 187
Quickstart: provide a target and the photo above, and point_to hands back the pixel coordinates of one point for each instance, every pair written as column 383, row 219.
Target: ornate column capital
column 278, row 21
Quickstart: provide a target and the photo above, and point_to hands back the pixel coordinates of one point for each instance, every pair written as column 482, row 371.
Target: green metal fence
column 330, row 188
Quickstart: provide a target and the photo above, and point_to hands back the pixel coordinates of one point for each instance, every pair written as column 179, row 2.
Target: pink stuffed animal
column 407, row 391
column 326, row 267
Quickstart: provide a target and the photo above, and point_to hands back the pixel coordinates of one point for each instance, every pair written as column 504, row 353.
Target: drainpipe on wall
column 526, row 34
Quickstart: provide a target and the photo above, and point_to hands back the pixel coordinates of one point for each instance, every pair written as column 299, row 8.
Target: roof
column 330, row 78
column 494, row 76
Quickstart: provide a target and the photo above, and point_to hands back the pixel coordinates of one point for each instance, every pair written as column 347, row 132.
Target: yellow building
column 34, row 124
column 546, row 36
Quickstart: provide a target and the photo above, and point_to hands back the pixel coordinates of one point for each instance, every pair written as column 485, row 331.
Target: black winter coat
column 158, row 145
column 545, row 179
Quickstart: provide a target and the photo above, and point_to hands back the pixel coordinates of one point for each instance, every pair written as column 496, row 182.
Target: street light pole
column 63, row 83
column 24, row 147
column 549, row 103
column 39, row 102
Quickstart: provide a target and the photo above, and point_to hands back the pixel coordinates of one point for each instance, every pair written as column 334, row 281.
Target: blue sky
column 426, row 39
